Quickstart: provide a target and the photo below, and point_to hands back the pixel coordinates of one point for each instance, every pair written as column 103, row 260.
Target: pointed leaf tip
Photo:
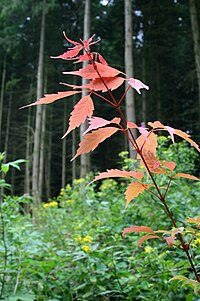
column 49, row 98
column 83, row 109
column 93, row 139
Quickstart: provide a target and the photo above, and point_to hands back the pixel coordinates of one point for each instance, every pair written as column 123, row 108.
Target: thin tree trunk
column 28, row 154
column 49, row 155
column 85, row 159
column 64, row 149
column 41, row 165
column 8, row 125
column 6, row 138
column 39, row 109
column 144, row 100
column 196, row 39
column 2, row 94
column 128, row 58
column 158, row 101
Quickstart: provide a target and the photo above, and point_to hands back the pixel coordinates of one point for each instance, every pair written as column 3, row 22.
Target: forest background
column 165, row 57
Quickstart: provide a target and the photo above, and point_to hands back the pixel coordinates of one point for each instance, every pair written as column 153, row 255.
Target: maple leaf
column 112, row 173
column 136, row 229
column 97, row 122
column 137, row 84
column 49, row 98
column 83, row 109
column 92, row 140
column 187, row 176
column 133, row 190
column 158, row 125
column 89, row 72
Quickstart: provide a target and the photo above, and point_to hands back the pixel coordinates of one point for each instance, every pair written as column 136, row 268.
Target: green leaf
column 5, row 167
column 24, row 297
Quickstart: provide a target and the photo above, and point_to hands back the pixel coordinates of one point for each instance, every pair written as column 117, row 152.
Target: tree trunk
column 49, row 156
column 196, row 39
column 85, row 159
column 41, row 165
column 28, row 155
column 64, row 149
column 128, row 58
column 2, row 94
column 144, row 98
column 39, row 109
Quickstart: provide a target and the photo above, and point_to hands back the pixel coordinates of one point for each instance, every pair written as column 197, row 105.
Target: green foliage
column 74, row 250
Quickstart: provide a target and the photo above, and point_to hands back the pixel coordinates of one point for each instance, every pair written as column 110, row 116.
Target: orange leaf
column 89, row 72
column 133, row 190
column 152, row 162
column 194, row 220
column 187, row 176
column 170, row 165
column 158, row 125
column 92, row 140
column 148, row 143
column 132, row 229
column 112, row 173
column 49, row 98
column 83, row 109
column 146, row 237
column 187, row 138
column 97, row 122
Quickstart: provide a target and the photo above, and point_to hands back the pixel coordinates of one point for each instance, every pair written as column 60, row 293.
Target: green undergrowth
column 72, row 249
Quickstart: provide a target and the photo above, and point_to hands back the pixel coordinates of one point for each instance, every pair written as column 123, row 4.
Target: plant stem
column 131, row 138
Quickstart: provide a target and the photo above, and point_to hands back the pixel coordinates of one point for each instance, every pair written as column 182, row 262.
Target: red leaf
column 89, row 72
column 102, row 60
column 137, row 84
column 70, row 53
column 92, row 140
column 132, row 229
column 112, row 173
column 97, row 122
column 133, row 190
column 187, row 176
column 83, row 109
column 82, row 58
column 146, row 237
column 112, row 83
column 49, row 98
